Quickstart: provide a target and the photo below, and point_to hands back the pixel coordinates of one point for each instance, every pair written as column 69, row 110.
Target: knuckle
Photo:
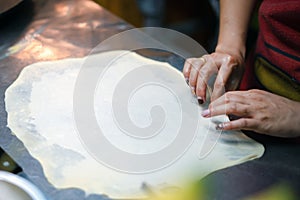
column 231, row 59
column 207, row 56
column 214, row 55
column 247, row 111
column 233, row 107
column 233, row 62
column 230, row 93
column 191, row 63
column 255, row 92
column 244, row 123
column 219, row 84
column 195, row 67
column 264, row 118
column 228, row 97
column 189, row 60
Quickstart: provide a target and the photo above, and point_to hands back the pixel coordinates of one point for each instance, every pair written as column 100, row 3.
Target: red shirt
column 275, row 64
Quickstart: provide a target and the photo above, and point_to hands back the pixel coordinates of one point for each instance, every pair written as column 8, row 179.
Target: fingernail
column 187, row 81
column 193, row 90
column 205, row 113
column 220, row 126
column 200, row 100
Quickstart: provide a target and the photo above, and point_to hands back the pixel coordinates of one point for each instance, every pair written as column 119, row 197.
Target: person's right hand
column 259, row 111
column 228, row 69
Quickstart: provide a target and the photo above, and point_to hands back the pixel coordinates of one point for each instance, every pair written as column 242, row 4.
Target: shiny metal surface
column 42, row 30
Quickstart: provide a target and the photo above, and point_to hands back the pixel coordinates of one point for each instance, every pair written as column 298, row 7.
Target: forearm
column 234, row 19
column 292, row 119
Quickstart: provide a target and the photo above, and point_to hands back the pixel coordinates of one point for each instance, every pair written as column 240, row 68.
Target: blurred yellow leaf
column 276, row 192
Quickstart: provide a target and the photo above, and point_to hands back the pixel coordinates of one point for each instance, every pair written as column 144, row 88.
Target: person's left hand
column 258, row 111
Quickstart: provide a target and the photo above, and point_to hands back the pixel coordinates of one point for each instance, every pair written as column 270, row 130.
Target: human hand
column 198, row 71
column 258, row 111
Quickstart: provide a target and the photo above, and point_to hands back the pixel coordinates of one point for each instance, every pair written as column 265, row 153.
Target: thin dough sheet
column 40, row 113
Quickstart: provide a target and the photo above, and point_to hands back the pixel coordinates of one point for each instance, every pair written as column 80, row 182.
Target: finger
column 196, row 64
column 204, row 74
column 187, row 68
column 232, row 108
column 222, row 78
column 239, row 124
column 231, row 97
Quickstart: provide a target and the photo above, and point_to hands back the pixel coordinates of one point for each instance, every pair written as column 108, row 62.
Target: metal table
column 40, row 30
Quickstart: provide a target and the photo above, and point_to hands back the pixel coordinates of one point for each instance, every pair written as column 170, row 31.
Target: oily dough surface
column 40, row 113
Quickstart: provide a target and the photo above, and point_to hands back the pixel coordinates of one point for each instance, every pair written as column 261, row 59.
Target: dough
column 40, row 113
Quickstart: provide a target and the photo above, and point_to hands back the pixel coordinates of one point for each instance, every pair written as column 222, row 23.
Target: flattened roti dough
column 40, row 113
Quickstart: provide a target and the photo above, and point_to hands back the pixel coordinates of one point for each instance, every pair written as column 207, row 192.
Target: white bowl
column 17, row 187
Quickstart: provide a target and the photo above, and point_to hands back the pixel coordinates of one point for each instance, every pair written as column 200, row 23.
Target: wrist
column 233, row 49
